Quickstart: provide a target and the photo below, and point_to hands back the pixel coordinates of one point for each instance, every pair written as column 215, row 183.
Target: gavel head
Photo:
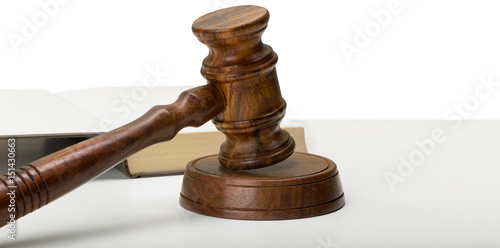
column 243, row 69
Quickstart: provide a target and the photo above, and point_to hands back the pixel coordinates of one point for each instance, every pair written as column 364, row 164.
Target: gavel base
column 304, row 185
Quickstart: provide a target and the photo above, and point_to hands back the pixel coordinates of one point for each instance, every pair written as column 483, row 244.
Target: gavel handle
column 42, row 181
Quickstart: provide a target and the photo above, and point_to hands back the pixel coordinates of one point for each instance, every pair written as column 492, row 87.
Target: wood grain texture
column 244, row 99
column 243, row 68
column 50, row 177
column 241, row 183
column 304, row 185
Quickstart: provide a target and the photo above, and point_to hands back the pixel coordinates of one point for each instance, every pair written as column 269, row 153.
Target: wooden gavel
column 242, row 97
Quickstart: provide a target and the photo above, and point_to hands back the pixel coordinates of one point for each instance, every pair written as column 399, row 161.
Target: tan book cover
column 171, row 157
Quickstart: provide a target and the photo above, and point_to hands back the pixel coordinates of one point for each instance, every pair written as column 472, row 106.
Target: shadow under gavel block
column 256, row 175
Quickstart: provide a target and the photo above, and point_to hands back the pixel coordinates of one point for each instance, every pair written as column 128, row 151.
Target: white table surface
column 452, row 199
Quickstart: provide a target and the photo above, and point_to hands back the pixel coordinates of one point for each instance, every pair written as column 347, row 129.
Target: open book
column 43, row 122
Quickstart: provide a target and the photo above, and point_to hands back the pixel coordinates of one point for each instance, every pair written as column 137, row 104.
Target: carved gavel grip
column 50, row 177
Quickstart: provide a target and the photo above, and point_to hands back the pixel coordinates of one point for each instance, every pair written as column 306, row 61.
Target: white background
column 424, row 64
column 421, row 63
column 448, row 197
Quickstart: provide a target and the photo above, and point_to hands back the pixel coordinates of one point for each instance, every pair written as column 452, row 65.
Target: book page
column 35, row 112
column 117, row 106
